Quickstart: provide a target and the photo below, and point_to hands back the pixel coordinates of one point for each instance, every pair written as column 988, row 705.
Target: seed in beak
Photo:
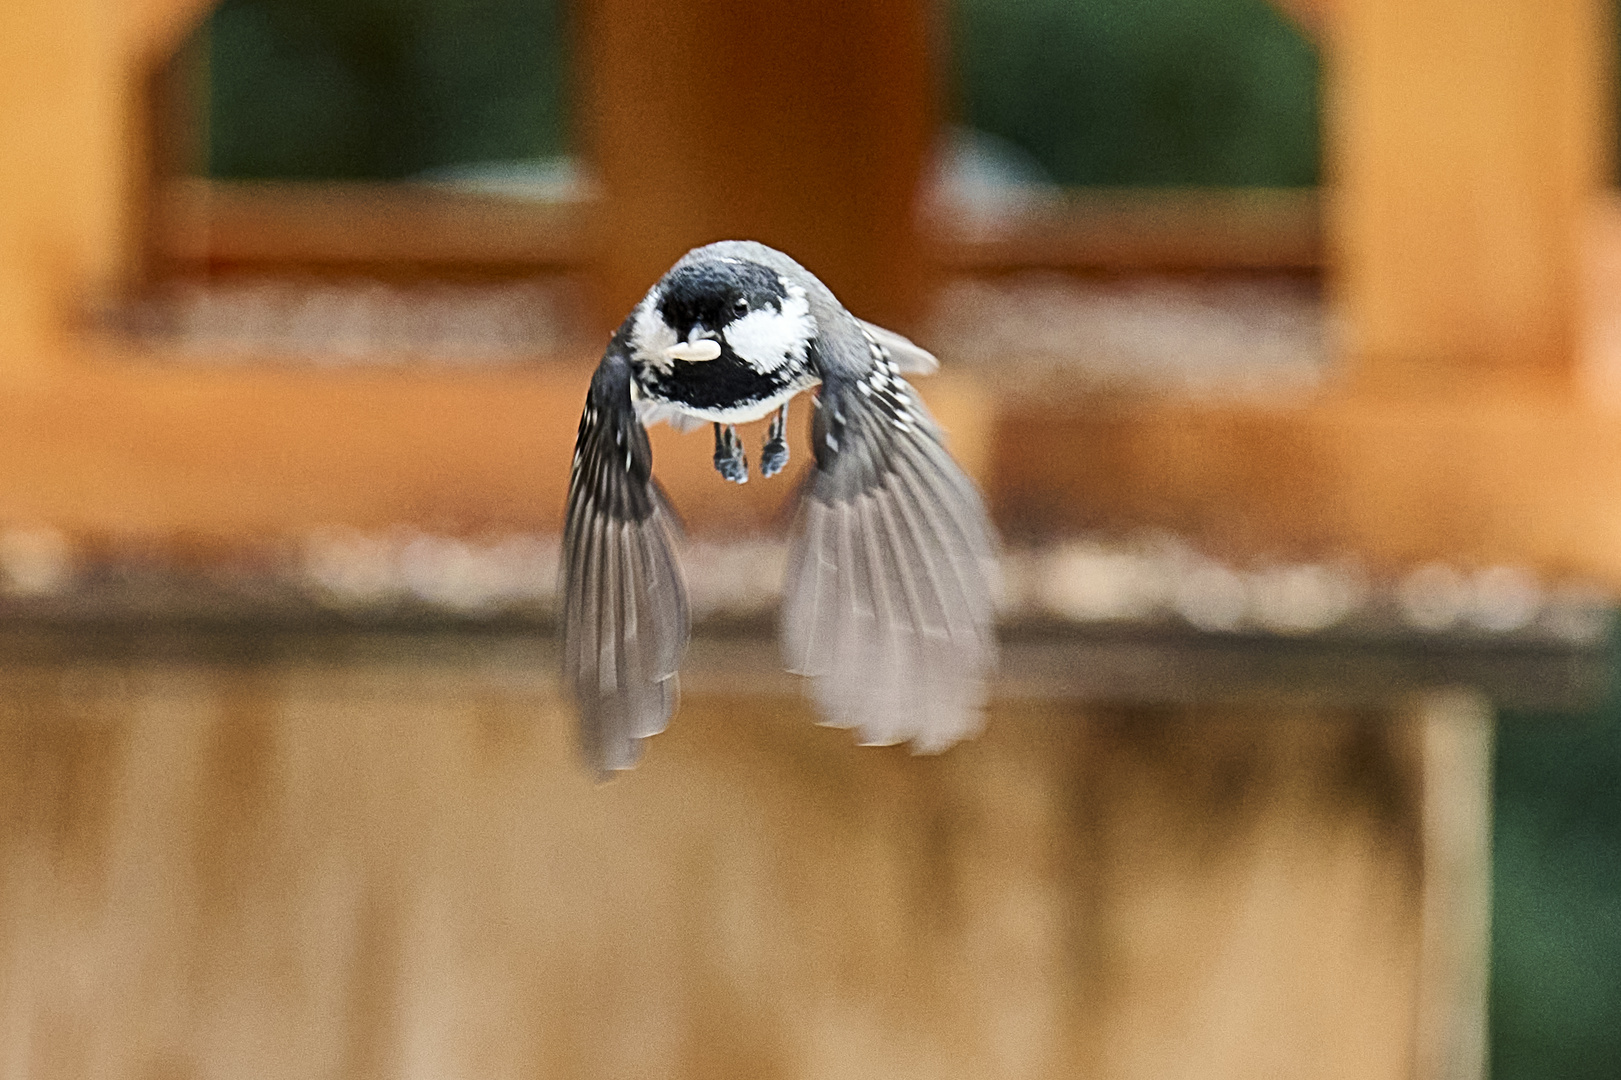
column 694, row 351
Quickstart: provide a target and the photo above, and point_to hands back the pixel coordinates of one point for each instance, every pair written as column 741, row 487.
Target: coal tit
column 888, row 602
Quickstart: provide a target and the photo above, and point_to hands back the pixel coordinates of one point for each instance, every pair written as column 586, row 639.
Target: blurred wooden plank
column 1038, row 663
column 385, row 861
column 282, row 227
column 161, row 449
column 1142, row 229
column 1601, row 302
column 154, row 450
column 1475, row 480
column 161, row 25
column 807, row 127
column 65, row 169
column 1103, row 663
column 1464, row 141
column 1455, row 733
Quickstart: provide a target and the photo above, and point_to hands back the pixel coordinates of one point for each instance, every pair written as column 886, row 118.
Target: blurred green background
column 1107, row 92
column 1210, row 92
column 1556, row 919
column 1215, row 92
column 383, row 89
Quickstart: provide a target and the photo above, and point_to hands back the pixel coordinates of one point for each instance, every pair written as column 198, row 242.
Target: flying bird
column 888, row 602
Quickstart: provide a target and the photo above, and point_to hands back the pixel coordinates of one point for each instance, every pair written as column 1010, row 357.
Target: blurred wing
column 888, row 606
column 624, row 602
column 910, row 358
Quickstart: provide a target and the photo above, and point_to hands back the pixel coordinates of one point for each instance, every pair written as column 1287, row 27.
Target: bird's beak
column 694, row 351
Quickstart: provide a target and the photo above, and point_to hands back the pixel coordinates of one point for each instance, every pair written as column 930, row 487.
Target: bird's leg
column 729, row 460
column 774, row 454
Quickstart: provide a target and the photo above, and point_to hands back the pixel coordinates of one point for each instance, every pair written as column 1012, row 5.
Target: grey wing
column 625, row 619
column 889, row 602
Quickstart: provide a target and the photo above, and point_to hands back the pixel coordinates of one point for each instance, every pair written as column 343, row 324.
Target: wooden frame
column 280, row 226
column 1415, row 453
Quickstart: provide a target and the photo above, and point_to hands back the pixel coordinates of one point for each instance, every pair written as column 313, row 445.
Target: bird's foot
column 729, row 459
column 774, row 454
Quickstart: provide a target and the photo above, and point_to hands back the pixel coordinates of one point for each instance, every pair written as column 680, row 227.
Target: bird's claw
column 773, row 456
column 729, row 459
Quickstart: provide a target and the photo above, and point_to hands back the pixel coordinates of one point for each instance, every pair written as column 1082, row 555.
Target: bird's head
column 712, row 306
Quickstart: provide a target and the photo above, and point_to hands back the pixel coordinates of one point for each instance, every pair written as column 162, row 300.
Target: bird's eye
column 740, row 306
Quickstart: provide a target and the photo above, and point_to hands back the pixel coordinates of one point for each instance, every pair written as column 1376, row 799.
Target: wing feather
column 889, row 604
column 625, row 614
column 910, row 357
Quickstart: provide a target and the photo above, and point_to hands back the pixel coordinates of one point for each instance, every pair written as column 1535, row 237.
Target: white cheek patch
column 651, row 338
column 767, row 339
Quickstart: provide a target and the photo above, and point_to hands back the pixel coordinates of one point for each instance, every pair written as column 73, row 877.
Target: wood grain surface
column 371, row 858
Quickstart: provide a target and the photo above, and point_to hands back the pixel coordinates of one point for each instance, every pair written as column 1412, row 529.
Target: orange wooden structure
column 1463, row 229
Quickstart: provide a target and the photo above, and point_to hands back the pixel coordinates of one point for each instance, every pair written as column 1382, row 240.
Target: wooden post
column 805, row 126
column 1464, row 143
column 64, row 121
column 1455, row 943
column 72, row 98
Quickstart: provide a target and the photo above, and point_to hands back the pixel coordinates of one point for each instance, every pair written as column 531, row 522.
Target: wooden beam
column 1455, row 736
column 1464, row 142
column 335, row 856
column 65, row 168
column 275, row 227
column 805, row 126
column 146, row 448
column 280, row 226
column 79, row 145
column 1142, row 229
column 1523, row 479
column 158, row 27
